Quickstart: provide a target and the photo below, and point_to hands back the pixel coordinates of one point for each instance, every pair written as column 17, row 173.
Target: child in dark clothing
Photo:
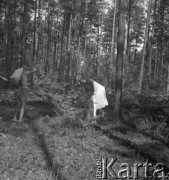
column 22, row 92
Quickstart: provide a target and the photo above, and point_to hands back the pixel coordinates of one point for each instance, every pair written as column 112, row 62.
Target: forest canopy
column 71, row 39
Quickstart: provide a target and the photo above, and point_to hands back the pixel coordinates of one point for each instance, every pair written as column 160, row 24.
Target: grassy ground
column 62, row 148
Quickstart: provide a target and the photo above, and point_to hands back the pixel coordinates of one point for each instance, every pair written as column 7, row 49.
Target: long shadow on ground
column 131, row 126
column 40, row 141
column 154, row 151
column 7, row 126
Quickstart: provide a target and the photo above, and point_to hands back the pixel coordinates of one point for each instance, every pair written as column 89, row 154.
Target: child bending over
column 22, row 92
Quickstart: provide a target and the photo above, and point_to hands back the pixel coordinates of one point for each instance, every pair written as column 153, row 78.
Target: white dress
column 99, row 97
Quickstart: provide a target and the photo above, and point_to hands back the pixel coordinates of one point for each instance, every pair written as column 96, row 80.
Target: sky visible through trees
column 73, row 39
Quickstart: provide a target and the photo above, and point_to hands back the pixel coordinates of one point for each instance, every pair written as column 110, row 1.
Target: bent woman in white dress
column 97, row 96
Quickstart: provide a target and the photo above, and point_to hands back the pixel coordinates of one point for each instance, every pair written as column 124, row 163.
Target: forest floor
column 50, row 145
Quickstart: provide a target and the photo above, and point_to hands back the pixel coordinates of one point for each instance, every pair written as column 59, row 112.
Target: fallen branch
column 3, row 78
column 47, row 98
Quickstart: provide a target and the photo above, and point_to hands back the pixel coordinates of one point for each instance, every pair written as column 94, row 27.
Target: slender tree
column 100, row 42
column 119, row 62
column 24, row 33
column 47, row 63
column 112, row 40
column 55, row 49
column 144, row 48
column 151, row 48
column 38, row 32
column 69, row 46
column 8, row 35
column 61, row 62
column 128, row 30
column 168, row 79
column 167, row 90
column 113, row 33
column 34, row 40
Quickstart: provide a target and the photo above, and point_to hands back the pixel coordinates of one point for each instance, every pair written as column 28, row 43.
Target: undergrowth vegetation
column 55, row 143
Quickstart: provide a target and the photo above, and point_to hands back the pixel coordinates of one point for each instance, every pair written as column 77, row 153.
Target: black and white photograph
column 84, row 89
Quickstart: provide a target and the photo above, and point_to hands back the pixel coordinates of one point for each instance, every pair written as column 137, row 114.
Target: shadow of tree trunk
column 53, row 167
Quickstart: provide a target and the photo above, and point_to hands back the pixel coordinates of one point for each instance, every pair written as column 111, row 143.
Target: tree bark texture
column 120, row 56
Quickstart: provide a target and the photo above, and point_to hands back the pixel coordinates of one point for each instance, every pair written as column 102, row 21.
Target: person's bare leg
column 102, row 113
column 94, row 115
column 22, row 111
column 89, row 115
column 16, row 110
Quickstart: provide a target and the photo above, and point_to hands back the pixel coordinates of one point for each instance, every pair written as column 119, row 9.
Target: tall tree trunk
column 113, row 32
column 69, row 33
column 9, row 38
column 24, row 34
column 134, row 51
column 84, row 6
column 119, row 62
column 79, row 58
column 69, row 49
column 47, row 65
column 162, row 44
column 82, row 16
column 35, row 35
column 57, row 50
column 162, row 60
column 112, row 42
column 151, row 49
column 61, row 63
column 155, row 65
column 144, row 48
column 5, row 37
column 125, row 41
column 168, row 79
column 38, row 31
column 7, row 33
column 74, row 66
column 128, row 31
column 84, row 55
column 99, row 45
column 54, row 52
column 15, row 45
column 34, row 42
